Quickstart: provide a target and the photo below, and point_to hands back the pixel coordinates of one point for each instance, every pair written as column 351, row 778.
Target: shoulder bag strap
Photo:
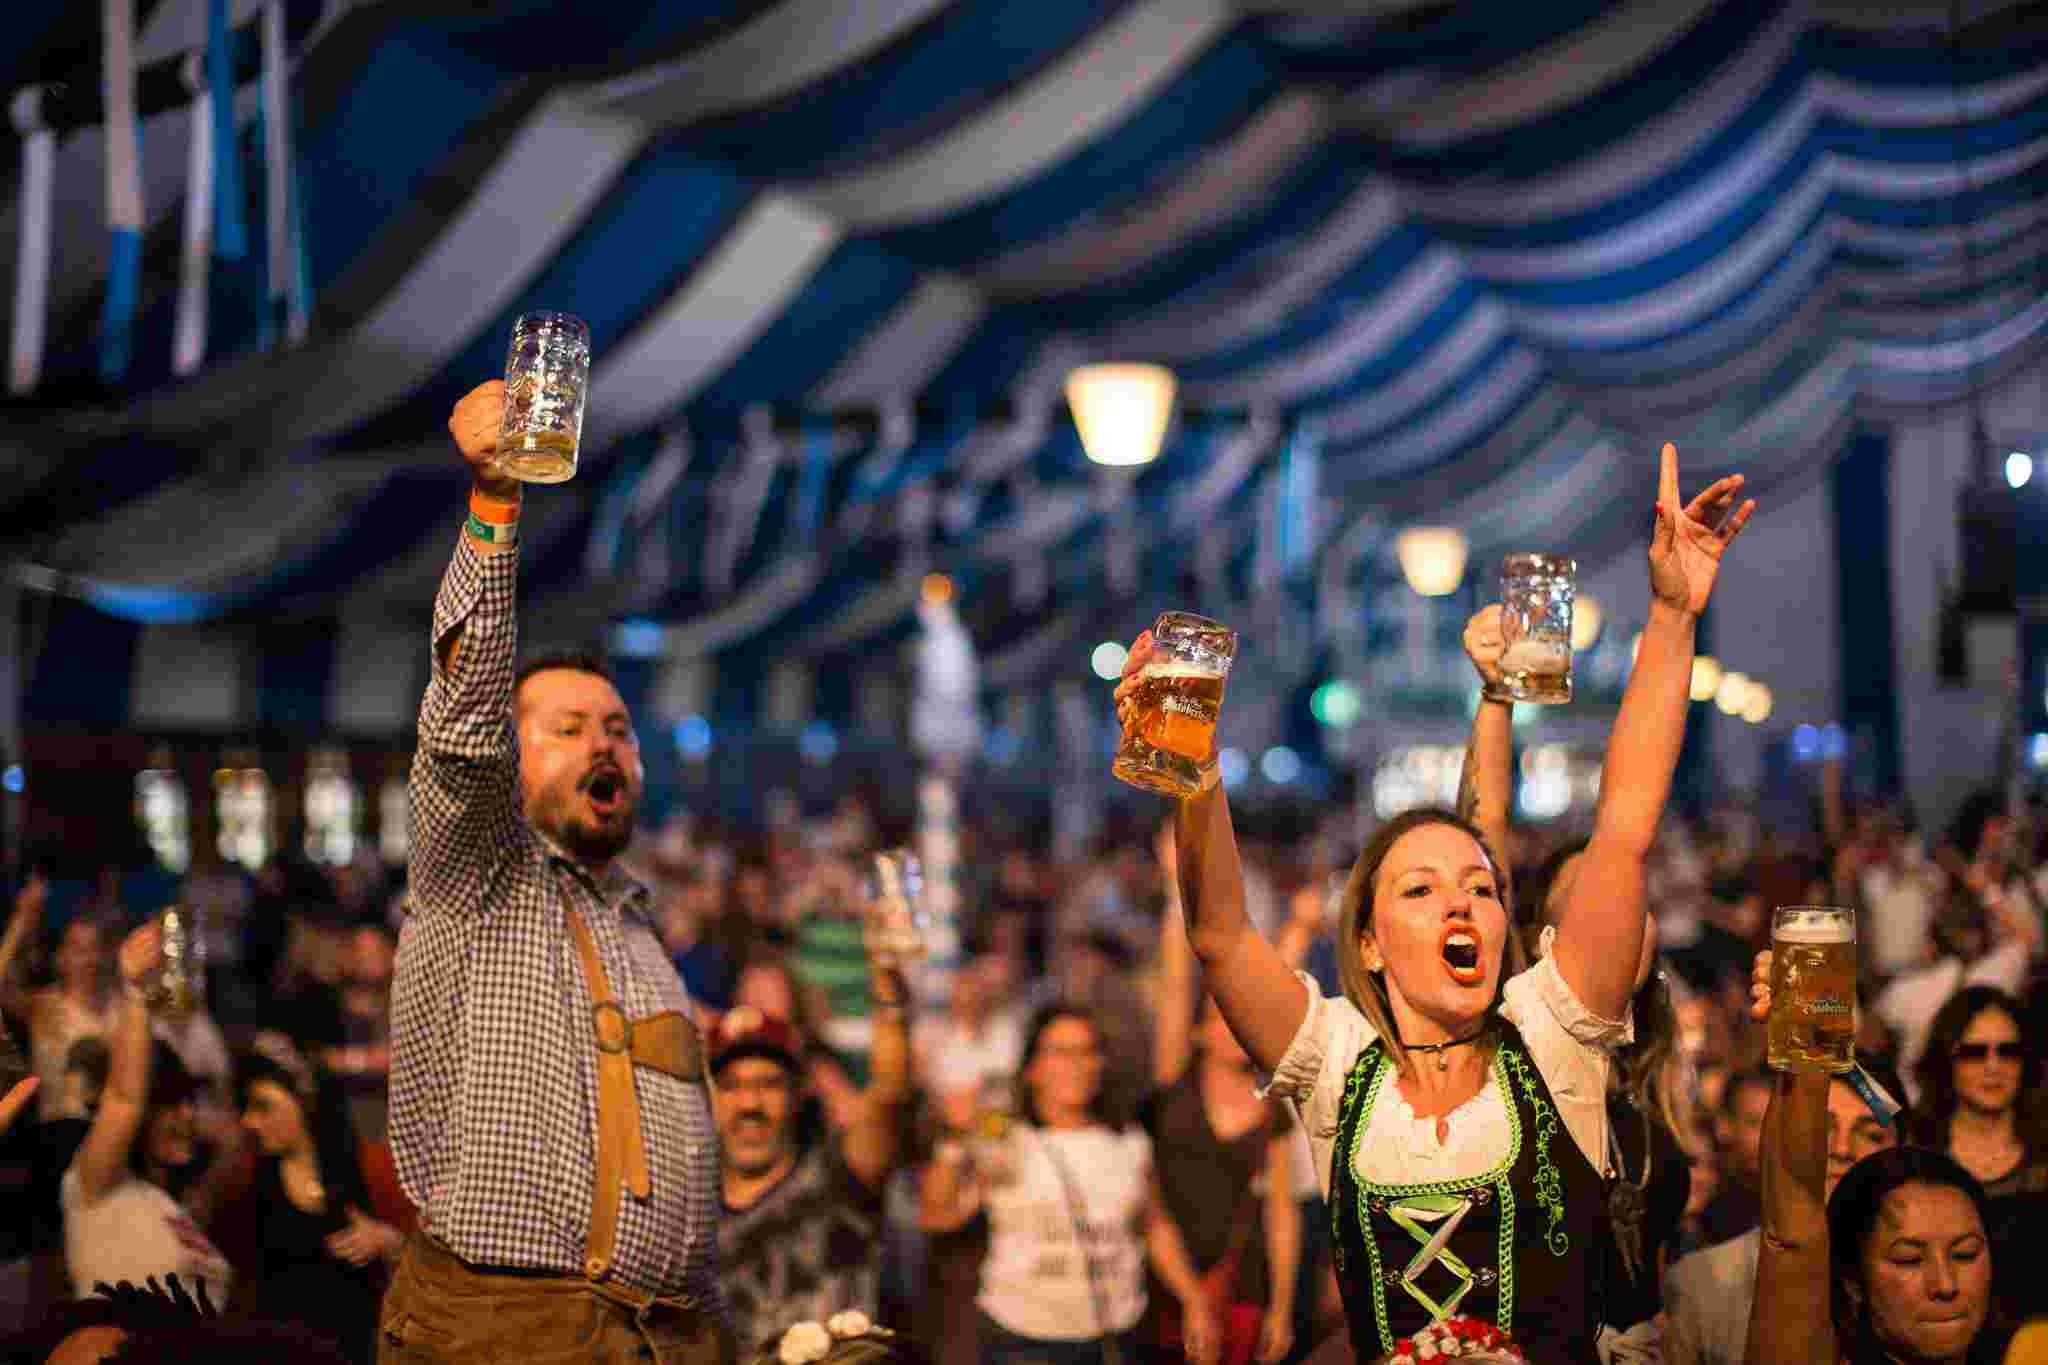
column 1077, row 1215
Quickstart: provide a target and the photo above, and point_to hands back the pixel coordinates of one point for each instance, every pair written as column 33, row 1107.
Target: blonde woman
column 1455, row 1101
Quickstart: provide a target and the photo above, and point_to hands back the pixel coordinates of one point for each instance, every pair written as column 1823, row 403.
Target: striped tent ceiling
column 1465, row 263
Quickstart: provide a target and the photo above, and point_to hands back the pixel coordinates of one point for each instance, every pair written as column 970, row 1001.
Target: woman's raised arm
column 1604, row 903
column 1262, row 1001
column 1791, row 1321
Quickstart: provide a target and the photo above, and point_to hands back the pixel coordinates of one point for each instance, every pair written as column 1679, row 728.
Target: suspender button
column 614, row 1033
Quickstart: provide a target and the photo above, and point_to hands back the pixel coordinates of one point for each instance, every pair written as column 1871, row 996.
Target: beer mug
column 1169, row 738
column 547, row 377
column 1536, row 594
column 177, row 984
column 1812, row 1025
column 896, row 895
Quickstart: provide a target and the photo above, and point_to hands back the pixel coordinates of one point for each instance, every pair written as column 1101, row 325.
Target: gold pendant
column 1443, row 1061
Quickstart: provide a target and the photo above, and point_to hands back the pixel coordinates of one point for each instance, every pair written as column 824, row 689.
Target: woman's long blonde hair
column 1365, row 989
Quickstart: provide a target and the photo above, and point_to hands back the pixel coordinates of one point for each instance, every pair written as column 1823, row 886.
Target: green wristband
column 494, row 532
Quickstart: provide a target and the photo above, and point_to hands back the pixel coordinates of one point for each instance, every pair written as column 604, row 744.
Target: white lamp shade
column 1733, row 693
column 1121, row 410
column 1586, row 621
column 1706, row 677
column 1432, row 558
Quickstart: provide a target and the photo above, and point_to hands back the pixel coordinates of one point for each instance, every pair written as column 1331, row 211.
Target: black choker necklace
column 1443, row 1063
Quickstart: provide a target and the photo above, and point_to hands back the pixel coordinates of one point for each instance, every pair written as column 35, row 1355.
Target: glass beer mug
column 177, row 985
column 896, row 894
column 1812, row 1024
column 1169, row 737
column 547, row 378
column 1536, row 593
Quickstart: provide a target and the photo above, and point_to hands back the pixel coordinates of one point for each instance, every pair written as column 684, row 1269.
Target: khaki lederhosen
column 442, row 1310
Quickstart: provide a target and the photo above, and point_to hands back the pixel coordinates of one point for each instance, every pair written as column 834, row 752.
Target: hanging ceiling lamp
column 1432, row 558
column 1732, row 696
column 1121, row 410
column 1706, row 677
column 1586, row 622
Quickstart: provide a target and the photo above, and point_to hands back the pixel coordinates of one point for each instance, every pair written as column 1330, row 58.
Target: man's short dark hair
column 574, row 659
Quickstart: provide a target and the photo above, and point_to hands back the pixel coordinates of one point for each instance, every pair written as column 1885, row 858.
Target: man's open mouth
column 1462, row 957
column 605, row 789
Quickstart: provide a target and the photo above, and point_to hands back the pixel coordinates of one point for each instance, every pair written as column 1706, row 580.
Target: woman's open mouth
column 1462, row 958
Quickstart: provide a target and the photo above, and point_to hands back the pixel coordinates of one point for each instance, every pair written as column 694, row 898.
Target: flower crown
column 1451, row 1338
column 809, row 1342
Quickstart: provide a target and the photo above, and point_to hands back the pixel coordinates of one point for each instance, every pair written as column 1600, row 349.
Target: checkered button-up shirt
column 493, row 1061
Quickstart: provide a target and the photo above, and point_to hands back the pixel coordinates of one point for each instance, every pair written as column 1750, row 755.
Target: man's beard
column 579, row 837
column 758, row 1160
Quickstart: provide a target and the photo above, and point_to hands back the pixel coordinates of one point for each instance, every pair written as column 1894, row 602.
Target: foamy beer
column 1169, row 739
column 547, row 378
column 895, row 890
column 177, row 986
column 1813, row 989
column 1536, row 593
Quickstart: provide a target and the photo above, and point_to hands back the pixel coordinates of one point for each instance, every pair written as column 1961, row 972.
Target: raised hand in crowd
column 16, row 1100
column 475, row 425
column 22, row 923
column 1688, row 543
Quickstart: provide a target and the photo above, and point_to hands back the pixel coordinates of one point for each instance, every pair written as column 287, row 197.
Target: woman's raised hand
column 141, row 953
column 1484, row 644
column 1688, row 542
column 1134, row 662
column 30, row 900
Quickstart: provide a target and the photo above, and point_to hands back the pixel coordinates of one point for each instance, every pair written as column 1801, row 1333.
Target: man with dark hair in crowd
column 801, row 1234
column 1738, row 1139
column 547, row 1106
column 1707, row 1295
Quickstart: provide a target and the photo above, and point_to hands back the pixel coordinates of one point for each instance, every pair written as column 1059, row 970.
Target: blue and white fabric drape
column 123, row 188
column 195, row 266
column 288, row 302
column 32, row 249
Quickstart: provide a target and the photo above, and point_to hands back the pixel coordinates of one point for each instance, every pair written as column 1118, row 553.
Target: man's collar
column 613, row 884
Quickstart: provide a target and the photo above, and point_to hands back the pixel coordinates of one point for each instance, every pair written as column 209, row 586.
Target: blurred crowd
column 1073, row 1013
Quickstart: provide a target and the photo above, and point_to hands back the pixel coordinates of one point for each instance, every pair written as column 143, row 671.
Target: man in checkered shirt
column 523, row 793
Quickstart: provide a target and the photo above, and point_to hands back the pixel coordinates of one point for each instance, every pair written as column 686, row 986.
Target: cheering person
column 1455, row 1102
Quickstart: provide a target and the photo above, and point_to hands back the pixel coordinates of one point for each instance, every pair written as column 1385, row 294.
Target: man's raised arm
column 465, row 772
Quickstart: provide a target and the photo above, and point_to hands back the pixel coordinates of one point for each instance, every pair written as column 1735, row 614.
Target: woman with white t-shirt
column 1073, row 1209
column 1455, row 1102
column 131, row 1210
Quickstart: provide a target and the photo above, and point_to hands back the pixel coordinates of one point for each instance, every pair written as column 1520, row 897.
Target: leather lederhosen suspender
column 667, row 1042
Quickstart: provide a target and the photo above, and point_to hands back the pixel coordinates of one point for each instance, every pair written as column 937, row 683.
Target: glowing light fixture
column 1733, row 693
column 1586, row 622
column 936, row 587
column 1706, row 677
column 1121, row 410
column 1432, row 558
column 1281, row 765
column 1757, row 709
column 1337, row 704
column 1108, row 660
column 2019, row 467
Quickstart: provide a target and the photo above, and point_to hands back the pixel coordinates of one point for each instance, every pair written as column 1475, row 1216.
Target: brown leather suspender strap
column 668, row 1042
